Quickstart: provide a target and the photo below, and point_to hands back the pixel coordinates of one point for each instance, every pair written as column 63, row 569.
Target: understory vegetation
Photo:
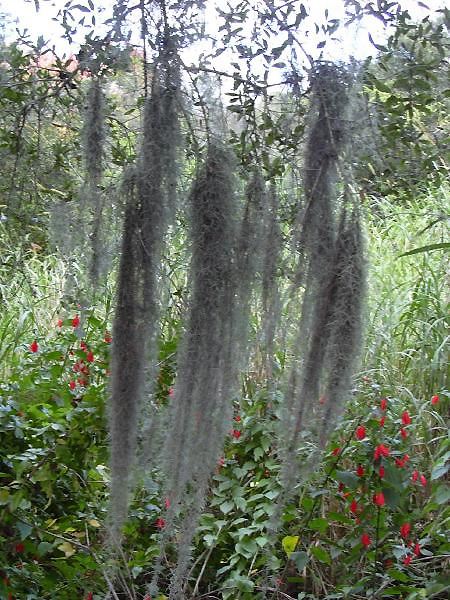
column 224, row 310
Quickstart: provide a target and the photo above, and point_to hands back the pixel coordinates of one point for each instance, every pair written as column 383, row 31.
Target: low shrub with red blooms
column 75, row 321
column 381, row 471
column 90, row 596
column 417, row 549
column 403, row 433
column 360, row 471
column 59, row 323
column 237, row 418
column 415, row 475
column 19, row 548
column 90, row 357
column 236, row 433
column 423, row 480
column 435, row 400
column 354, row 507
column 382, row 421
column 407, row 560
column 160, row 522
column 365, row 540
column 336, row 451
column 34, row 346
column 383, row 404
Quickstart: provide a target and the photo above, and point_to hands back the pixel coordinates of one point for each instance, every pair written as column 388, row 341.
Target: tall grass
column 407, row 338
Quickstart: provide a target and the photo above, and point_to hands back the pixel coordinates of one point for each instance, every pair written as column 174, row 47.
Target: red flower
column 388, row 563
column 423, row 480
column 34, row 346
column 383, row 404
column 346, row 494
column 148, row 597
column 382, row 420
column 167, row 503
column 406, row 419
column 404, row 530
column 415, row 475
column 381, row 451
column 361, row 432
column 160, row 523
column 107, row 338
column 221, row 461
column 353, row 507
column 72, row 385
column 59, row 323
column 400, row 462
column 82, row 381
column 170, row 391
column 407, row 560
column 20, row 548
column 360, row 471
column 75, row 321
column 365, row 540
column 340, row 487
column 90, row 356
column 336, row 451
column 434, row 400
column 417, row 549
column 237, row 418
column 381, row 471
column 236, row 433
column 404, row 433
column 378, row 499
column 90, row 596
column 83, row 345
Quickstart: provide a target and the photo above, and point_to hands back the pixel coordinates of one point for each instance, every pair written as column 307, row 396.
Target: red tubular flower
column 404, row 433
column 72, row 384
column 365, row 540
column 435, row 400
column 383, row 404
column 415, row 475
column 360, row 471
column 382, row 420
column 75, row 321
column 236, row 433
column 167, row 503
column 378, row 499
column 160, row 522
column 107, row 338
column 90, row 596
column 417, row 549
column 221, row 461
column 237, row 418
column 354, row 507
column 406, row 419
column 400, row 462
column 404, row 530
column 381, row 471
column 83, row 345
column 59, row 323
column 90, row 356
column 336, row 451
column 423, row 480
column 340, row 487
column 381, row 451
column 20, row 548
column 34, row 346
column 407, row 560
column 361, row 432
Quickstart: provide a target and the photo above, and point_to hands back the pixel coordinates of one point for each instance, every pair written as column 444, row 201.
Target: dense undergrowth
column 371, row 521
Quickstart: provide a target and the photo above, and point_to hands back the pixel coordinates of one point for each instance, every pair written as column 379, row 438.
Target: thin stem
column 377, row 539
